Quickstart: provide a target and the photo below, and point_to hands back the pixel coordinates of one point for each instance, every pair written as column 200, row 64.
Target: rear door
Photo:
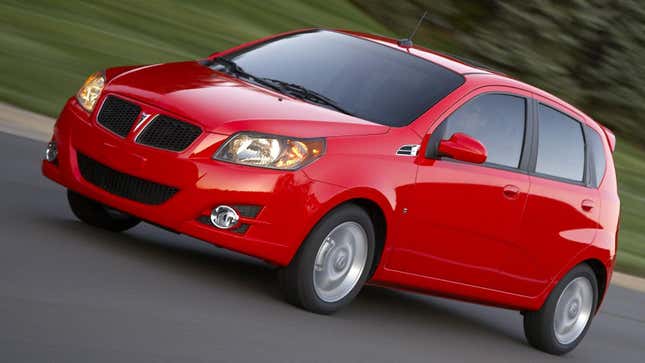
column 562, row 208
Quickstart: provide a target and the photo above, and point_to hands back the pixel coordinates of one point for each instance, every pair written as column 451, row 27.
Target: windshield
column 368, row 80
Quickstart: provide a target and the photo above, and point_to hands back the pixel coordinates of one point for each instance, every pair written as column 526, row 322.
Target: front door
column 464, row 215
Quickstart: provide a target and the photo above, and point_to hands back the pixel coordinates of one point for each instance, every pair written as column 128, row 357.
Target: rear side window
column 596, row 151
column 497, row 121
column 561, row 145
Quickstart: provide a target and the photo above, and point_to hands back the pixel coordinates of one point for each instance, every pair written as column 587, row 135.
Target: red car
column 348, row 158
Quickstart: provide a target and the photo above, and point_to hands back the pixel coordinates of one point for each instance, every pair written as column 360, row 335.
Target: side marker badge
column 408, row 150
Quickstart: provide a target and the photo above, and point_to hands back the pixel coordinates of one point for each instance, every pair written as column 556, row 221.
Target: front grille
column 165, row 132
column 123, row 185
column 118, row 115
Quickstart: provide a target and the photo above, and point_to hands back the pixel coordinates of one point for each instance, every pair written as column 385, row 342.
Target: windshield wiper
column 281, row 86
column 233, row 68
column 307, row 94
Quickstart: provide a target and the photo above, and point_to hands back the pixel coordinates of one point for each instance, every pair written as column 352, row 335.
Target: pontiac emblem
column 142, row 118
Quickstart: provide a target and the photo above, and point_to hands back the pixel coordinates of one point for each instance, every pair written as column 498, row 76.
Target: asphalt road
column 69, row 292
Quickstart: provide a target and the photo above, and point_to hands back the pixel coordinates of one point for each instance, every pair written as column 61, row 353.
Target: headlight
column 91, row 90
column 269, row 151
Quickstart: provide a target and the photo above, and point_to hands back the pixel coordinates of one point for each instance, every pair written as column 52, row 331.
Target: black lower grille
column 123, row 185
column 118, row 115
column 168, row 133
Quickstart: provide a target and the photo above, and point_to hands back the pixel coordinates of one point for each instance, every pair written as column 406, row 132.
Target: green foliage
column 630, row 165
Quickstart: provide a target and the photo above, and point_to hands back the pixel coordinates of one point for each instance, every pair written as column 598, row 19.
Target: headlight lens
column 91, row 90
column 269, row 151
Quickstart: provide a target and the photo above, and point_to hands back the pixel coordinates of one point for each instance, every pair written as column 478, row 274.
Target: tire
column 331, row 267
column 573, row 299
column 99, row 215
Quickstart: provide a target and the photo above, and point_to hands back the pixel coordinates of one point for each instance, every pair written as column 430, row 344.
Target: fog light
column 224, row 217
column 51, row 152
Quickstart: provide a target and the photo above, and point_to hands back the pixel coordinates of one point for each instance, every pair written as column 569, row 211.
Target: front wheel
column 99, row 215
column 333, row 263
column 565, row 317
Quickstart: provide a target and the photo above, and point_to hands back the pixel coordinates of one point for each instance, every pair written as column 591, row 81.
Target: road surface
column 73, row 293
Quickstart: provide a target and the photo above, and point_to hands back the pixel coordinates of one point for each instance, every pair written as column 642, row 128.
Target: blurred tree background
column 588, row 52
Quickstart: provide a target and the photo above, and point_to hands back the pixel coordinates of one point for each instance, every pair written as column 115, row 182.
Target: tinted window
column 497, row 121
column 561, row 147
column 369, row 80
column 597, row 152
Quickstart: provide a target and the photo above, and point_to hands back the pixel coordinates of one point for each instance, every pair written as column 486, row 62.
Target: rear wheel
column 99, row 215
column 333, row 263
column 565, row 317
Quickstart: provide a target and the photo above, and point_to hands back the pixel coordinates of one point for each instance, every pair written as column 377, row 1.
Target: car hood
column 224, row 104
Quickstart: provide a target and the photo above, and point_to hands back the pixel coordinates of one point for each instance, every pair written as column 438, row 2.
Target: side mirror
column 463, row 147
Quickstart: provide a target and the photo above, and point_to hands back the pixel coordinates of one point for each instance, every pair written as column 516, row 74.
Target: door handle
column 587, row 205
column 511, row 191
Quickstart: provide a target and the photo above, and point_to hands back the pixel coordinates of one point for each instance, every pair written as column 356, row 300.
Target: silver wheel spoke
column 573, row 310
column 340, row 261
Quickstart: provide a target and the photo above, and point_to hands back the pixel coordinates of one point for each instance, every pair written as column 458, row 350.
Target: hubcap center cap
column 341, row 262
column 573, row 309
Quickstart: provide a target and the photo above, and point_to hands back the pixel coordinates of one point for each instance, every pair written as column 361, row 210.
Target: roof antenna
column 407, row 42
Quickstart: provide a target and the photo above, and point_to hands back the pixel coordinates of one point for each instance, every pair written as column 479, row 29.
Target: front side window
column 498, row 121
column 561, row 145
column 369, row 80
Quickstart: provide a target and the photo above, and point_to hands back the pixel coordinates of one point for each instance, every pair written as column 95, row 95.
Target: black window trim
column 586, row 179
column 592, row 158
column 431, row 151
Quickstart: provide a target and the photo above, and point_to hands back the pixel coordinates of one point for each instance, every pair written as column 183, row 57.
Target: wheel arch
column 380, row 228
column 592, row 256
column 379, row 208
column 600, row 270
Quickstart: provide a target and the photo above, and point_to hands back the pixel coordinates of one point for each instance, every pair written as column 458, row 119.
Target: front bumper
column 291, row 202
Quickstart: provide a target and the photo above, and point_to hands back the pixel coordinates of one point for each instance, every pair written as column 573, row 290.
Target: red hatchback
column 346, row 158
